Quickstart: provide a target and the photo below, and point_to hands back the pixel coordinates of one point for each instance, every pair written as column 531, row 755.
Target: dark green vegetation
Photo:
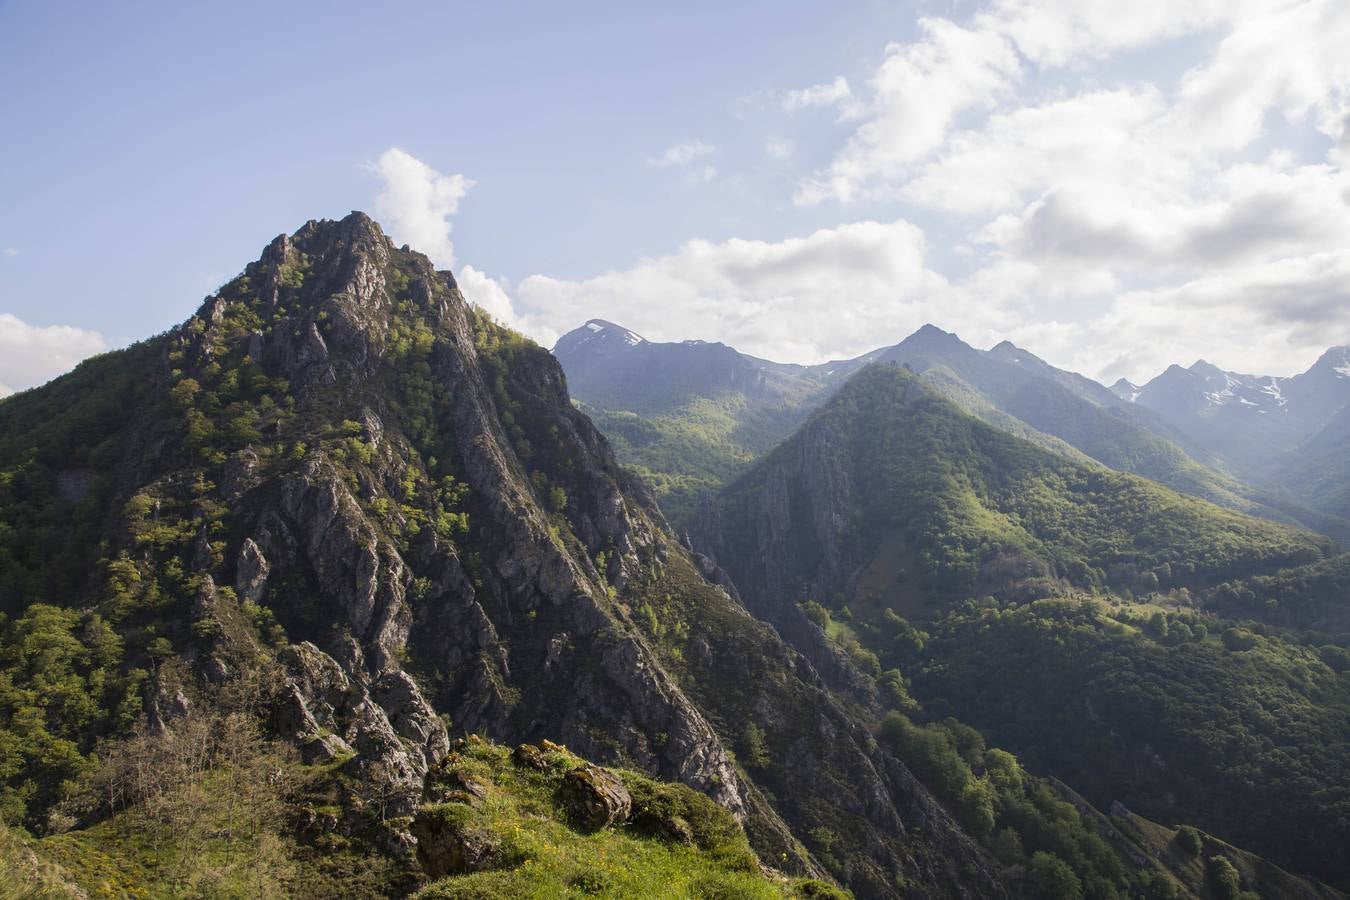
column 892, row 497
column 1246, row 737
column 1155, row 675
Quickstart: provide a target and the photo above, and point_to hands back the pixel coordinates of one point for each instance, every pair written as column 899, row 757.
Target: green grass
column 26, row 876
column 543, row 856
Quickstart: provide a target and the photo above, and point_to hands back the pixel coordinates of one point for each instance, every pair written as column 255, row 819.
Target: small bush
column 1189, row 840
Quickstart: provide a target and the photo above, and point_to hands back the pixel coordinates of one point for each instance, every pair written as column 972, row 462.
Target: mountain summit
column 343, row 493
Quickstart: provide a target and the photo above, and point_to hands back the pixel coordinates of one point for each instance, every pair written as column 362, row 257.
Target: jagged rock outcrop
column 418, row 528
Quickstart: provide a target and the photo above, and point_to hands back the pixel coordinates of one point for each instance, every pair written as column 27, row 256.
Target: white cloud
column 415, row 207
column 827, row 294
column 924, row 88
column 417, row 202
column 1109, row 218
column 917, row 93
column 1018, row 154
column 1056, row 33
column 1244, row 214
column 832, row 93
column 33, row 354
column 1273, row 318
column 682, row 154
column 1291, row 59
column 11, row 251
column 1118, row 222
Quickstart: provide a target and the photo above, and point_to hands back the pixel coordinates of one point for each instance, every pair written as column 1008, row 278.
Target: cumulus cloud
column 1277, row 55
column 826, row 294
column 1117, row 199
column 33, row 354
column 1116, row 218
column 681, row 154
column 417, row 202
column 1274, row 318
column 836, row 93
column 416, row 206
column 1289, row 58
column 917, row 93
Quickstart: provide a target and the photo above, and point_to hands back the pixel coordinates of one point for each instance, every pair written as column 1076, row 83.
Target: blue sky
column 803, row 180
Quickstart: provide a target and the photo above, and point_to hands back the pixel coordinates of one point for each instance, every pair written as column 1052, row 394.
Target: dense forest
column 1142, row 646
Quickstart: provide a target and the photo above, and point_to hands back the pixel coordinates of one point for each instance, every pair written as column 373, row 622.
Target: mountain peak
column 1335, row 360
column 1010, row 352
column 932, row 336
column 627, row 335
column 1203, row 367
column 928, row 329
column 596, row 338
column 1125, row 390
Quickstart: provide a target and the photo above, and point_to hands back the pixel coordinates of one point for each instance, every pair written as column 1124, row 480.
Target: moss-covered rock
column 595, row 798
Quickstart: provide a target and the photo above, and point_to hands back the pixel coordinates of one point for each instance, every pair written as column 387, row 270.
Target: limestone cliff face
column 450, row 547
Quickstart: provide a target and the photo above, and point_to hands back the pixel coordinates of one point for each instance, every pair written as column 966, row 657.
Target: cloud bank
column 33, row 354
column 1117, row 187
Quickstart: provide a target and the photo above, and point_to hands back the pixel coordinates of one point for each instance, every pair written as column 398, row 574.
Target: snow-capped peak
column 609, row 329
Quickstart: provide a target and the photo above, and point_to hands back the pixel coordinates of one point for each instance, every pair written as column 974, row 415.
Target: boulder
column 528, row 756
column 445, row 846
column 595, row 798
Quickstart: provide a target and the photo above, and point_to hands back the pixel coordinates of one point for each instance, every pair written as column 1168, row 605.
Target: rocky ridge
column 388, row 502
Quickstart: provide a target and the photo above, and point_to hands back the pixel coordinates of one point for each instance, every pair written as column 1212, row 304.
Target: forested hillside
column 1132, row 641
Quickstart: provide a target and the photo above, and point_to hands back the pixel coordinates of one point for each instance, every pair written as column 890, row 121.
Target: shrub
column 1189, row 840
column 1223, row 878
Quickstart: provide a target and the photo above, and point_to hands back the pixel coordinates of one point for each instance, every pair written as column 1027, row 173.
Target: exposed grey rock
column 595, row 798
column 411, row 716
column 251, row 571
column 323, row 748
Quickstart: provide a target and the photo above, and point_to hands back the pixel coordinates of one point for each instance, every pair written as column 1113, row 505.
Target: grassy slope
column 543, row 856
column 549, row 858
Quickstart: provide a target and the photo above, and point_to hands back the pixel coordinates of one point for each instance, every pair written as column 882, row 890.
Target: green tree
column 1223, row 878
column 1052, row 877
column 754, row 750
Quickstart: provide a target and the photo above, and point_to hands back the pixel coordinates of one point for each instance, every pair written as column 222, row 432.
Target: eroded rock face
column 595, row 798
column 251, row 572
column 394, row 741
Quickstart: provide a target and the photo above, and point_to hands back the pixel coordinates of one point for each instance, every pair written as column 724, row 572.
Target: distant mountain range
column 693, row 414
column 1289, row 433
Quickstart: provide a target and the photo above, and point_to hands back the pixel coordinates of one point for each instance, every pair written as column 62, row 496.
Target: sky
column 1113, row 186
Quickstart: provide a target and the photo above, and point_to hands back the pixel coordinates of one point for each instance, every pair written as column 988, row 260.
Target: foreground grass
column 544, row 856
